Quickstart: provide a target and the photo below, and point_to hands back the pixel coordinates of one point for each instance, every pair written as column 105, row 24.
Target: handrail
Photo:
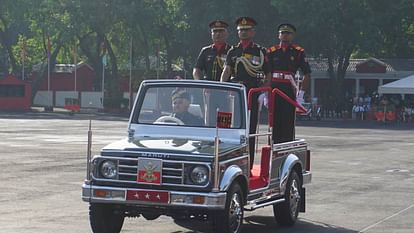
column 273, row 92
column 254, row 90
column 289, row 100
column 260, row 134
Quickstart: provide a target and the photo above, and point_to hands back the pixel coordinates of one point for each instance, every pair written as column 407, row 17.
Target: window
column 188, row 106
column 12, row 91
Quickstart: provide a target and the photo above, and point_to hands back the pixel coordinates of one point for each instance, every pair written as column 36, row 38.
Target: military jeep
column 189, row 171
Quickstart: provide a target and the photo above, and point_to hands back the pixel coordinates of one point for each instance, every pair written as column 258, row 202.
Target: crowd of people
column 394, row 108
column 385, row 108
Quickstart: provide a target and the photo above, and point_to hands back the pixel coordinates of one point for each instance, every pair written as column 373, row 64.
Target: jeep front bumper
column 146, row 197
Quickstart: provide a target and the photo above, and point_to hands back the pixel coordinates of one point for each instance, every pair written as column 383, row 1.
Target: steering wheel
column 168, row 119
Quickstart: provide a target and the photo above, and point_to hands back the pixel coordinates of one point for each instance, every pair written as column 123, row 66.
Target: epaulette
column 297, row 47
column 207, row 47
column 273, row 48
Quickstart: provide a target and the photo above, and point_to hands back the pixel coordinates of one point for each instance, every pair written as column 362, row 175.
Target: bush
column 112, row 102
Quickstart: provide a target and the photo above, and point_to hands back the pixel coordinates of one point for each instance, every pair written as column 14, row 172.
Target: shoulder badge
column 273, row 48
column 297, row 47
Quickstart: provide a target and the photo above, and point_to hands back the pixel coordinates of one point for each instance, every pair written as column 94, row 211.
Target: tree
column 337, row 30
column 12, row 23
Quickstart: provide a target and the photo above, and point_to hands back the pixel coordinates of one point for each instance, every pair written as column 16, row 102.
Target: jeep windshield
column 189, row 106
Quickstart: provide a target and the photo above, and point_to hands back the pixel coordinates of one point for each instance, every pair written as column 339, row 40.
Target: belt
column 282, row 75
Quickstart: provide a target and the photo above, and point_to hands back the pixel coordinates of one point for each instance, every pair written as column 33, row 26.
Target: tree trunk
column 114, row 90
column 8, row 46
column 145, row 48
column 44, row 71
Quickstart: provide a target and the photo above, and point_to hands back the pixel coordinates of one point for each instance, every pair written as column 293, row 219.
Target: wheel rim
column 236, row 213
column 294, row 198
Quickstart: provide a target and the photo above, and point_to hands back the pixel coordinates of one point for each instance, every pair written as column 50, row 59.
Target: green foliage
column 177, row 29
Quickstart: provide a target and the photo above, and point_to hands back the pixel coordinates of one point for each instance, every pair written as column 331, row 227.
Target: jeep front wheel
column 105, row 219
column 231, row 219
column 286, row 213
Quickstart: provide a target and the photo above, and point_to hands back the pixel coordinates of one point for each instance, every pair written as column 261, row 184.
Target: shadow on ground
column 267, row 224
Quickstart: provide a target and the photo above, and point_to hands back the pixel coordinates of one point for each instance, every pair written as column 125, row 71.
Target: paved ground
column 363, row 177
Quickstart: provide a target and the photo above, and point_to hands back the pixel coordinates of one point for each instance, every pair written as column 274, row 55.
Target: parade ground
column 363, row 177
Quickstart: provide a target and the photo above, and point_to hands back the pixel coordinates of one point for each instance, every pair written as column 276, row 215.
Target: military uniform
column 284, row 61
column 211, row 58
column 248, row 65
column 210, row 62
column 254, row 54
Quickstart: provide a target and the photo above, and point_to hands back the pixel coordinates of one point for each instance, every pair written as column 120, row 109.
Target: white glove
column 299, row 98
column 263, row 100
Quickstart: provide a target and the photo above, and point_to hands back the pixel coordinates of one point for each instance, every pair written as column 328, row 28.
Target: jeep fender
column 229, row 176
column 287, row 167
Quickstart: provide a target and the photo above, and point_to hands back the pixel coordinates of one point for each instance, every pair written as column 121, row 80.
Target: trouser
column 284, row 114
column 252, row 128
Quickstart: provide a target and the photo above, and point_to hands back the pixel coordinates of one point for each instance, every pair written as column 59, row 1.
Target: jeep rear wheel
column 231, row 219
column 105, row 219
column 286, row 213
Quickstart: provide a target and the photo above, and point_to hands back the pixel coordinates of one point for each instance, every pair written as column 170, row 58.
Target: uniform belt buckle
column 278, row 76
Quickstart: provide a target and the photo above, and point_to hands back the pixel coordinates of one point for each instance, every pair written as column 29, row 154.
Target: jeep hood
column 179, row 146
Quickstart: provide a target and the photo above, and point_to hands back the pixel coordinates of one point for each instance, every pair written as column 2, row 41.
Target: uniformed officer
column 246, row 63
column 211, row 59
column 209, row 66
column 285, row 59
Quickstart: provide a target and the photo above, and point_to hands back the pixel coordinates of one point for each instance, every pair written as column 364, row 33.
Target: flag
column 224, row 119
column 23, row 56
column 49, row 47
column 75, row 62
column 104, row 53
column 23, row 52
column 75, row 54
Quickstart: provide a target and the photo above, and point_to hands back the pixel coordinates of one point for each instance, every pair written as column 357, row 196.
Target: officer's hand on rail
column 300, row 97
column 263, row 100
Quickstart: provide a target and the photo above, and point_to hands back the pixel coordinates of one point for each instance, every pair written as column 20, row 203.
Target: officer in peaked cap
column 286, row 27
column 245, row 23
column 285, row 59
column 211, row 59
column 210, row 64
column 246, row 63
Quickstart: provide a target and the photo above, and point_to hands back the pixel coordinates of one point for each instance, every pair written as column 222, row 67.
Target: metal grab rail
column 288, row 99
column 255, row 90
column 273, row 93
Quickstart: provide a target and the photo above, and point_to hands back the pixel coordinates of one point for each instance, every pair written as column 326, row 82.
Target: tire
column 230, row 220
column 286, row 213
column 150, row 216
column 105, row 219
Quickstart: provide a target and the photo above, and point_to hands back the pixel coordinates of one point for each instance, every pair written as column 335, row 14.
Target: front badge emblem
column 149, row 171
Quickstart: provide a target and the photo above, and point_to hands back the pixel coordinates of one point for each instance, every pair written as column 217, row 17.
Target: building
column 363, row 76
column 15, row 94
column 62, row 78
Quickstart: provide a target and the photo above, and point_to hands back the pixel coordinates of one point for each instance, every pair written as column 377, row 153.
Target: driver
column 180, row 104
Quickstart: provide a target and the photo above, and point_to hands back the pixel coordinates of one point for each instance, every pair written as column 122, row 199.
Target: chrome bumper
column 176, row 199
column 307, row 178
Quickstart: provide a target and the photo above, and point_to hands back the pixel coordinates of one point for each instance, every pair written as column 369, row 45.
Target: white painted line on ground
column 385, row 219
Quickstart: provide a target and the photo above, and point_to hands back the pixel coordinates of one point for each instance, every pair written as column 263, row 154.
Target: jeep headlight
column 199, row 175
column 109, row 169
